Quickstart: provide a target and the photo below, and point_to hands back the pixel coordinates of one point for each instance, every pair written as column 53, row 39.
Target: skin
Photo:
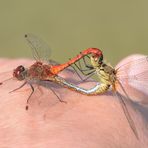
column 82, row 122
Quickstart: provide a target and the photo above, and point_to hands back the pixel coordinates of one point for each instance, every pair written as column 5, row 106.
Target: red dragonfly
column 41, row 71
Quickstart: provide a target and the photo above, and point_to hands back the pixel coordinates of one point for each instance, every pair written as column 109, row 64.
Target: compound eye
column 18, row 72
column 21, row 68
column 101, row 59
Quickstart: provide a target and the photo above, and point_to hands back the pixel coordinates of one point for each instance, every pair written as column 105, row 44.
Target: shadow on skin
column 84, row 122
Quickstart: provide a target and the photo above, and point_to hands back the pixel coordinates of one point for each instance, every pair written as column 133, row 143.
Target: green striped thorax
column 106, row 73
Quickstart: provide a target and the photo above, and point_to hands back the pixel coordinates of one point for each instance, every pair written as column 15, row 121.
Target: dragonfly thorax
column 39, row 71
column 106, row 74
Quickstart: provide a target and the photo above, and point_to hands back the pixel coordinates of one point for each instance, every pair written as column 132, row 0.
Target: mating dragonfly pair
column 108, row 77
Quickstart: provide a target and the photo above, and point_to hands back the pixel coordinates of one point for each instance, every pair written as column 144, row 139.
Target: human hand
column 83, row 122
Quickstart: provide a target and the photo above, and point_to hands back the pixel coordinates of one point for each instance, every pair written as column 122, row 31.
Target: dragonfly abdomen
column 98, row 89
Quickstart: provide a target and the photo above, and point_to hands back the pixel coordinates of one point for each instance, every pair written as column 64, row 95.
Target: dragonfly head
column 19, row 72
column 96, row 61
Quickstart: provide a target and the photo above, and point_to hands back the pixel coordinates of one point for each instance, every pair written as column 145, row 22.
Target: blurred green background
column 118, row 27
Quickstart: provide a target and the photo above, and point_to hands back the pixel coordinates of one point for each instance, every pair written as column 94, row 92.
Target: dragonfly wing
column 127, row 114
column 40, row 50
column 137, row 90
column 133, row 62
column 133, row 76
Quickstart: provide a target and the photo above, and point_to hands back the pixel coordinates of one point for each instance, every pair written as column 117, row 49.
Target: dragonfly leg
column 58, row 96
column 127, row 114
column 89, row 67
column 86, row 65
column 89, row 76
column 79, row 67
column 18, row 87
column 32, row 88
column 86, row 74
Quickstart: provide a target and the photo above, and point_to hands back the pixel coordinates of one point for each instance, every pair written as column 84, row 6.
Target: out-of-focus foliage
column 117, row 27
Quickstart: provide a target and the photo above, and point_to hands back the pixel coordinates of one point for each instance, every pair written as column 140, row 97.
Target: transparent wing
column 52, row 62
column 127, row 114
column 135, row 67
column 134, row 78
column 40, row 50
